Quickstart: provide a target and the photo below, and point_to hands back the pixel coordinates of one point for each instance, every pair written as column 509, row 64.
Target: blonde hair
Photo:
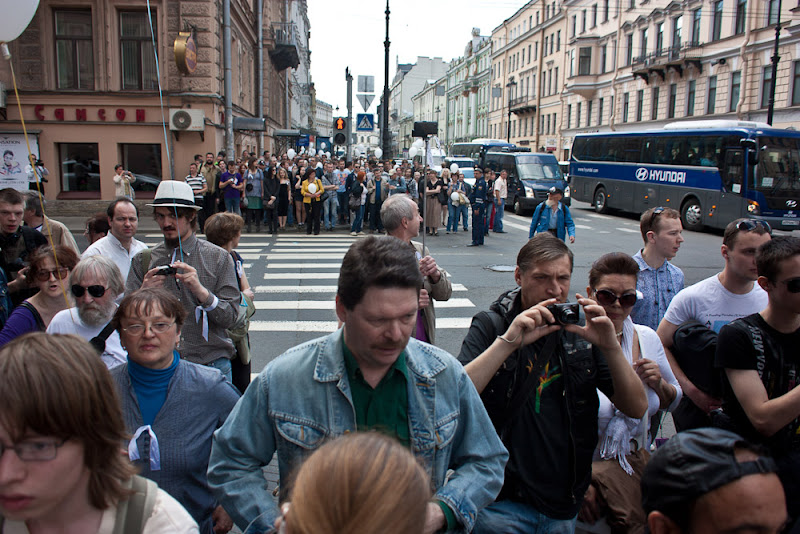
column 363, row 483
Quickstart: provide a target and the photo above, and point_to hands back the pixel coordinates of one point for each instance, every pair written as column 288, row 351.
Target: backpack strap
column 133, row 512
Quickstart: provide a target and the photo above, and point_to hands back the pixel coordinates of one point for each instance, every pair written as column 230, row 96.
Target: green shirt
column 385, row 407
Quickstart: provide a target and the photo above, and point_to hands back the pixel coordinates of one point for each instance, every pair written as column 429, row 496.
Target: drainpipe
column 260, row 82
column 226, row 59
column 286, row 72
column 744, row 70
column 615, row 89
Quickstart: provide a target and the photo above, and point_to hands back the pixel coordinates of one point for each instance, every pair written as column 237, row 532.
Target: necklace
column 619, row 335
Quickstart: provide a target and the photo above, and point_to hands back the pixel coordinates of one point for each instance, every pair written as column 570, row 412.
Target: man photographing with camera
column 538, row 368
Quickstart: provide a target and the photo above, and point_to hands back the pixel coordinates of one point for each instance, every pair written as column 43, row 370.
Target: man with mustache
column 95, row 283
column 200, row 274
column 368, row 375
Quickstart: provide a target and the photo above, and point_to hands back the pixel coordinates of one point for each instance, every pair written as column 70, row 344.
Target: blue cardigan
column 540, row 221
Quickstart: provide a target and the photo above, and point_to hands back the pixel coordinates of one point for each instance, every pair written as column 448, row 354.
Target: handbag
column 238, row 332
column 442, row 197
column 245, row 202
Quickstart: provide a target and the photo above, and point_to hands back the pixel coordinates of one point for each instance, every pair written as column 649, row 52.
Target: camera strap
column 521, row 396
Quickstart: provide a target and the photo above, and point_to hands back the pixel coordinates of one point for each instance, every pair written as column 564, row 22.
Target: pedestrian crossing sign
column 365, row 122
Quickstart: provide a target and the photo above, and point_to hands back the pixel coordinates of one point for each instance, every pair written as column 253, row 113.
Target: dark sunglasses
column 60, row 274
column 792, row 285
column 656, row 212
column 605, row 297
column 748, row 225
column 94, row 291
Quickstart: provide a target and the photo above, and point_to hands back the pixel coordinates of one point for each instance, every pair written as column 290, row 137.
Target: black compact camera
column 248, row 187
column 166, row 270
column 568, row 313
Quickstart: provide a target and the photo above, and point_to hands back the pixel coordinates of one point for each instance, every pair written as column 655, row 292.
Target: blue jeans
column 224, row 365
column 358, row 219
column 329, row 211
column 462, row 213
column 498, row 215
column 232, row 206
column 511, row 517
column 452, row 222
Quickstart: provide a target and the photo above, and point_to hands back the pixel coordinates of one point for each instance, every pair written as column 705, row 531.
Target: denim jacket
column 303, row 398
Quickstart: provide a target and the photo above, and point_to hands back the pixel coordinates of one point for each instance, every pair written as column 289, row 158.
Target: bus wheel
column 600, row 200
column 692, row 215
column 518, row 206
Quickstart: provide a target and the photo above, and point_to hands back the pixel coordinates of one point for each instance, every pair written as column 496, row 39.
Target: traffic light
column 339, row 131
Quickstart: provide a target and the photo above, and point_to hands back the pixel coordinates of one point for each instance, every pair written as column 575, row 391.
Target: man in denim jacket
column 369, row 374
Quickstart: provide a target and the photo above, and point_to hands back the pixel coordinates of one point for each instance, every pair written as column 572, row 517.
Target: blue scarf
column 151, row 386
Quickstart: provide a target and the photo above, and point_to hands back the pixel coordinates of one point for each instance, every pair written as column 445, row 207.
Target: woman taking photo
column 60, row 433
column 312, row 193
column 171, row 407
column 622, row 449
column 35, row 313
column 284, row 197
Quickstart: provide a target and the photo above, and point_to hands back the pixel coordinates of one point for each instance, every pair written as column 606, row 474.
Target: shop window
column 80, row 167
column 144, row 161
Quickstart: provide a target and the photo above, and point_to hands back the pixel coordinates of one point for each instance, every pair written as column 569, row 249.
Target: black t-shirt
column 751, row 343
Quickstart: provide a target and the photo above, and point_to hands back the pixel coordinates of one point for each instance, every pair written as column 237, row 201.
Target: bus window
column 732, row 171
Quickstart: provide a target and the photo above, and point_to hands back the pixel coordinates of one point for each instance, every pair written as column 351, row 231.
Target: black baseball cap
column 696, row 462
column 554, row 190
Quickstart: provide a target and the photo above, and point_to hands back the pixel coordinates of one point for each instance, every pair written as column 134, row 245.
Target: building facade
column 91, row 97
column 468, row 92
column 430, row 106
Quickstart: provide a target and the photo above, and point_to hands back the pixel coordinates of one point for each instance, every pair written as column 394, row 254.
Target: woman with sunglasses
column 60, row 432
column 622, row 449
column 35, row 313
column 171, row 407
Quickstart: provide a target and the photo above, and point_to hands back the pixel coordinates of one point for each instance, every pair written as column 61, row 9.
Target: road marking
column 316, row 243
column 330, row 304
column 330, row 326
column 308, row 250
column 629, row 230
column 294, row 276
column 316, row 288
column 314, row 237
column 304, row 266
column 284, row 256
column 584, row 227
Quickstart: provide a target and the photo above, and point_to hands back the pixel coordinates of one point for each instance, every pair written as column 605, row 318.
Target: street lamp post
column 775, row 59
column 510, row 86
column 386, row 135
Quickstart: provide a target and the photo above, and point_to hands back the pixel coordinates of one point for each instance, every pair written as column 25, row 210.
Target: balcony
column 523, row 104
column 285, row 52
column 584, row 85
column 674, row 58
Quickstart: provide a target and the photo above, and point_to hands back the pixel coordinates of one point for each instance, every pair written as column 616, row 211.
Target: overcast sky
column 350, row 33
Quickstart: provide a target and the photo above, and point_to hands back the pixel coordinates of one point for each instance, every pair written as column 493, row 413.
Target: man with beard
column 95, row 283
column 200, row 274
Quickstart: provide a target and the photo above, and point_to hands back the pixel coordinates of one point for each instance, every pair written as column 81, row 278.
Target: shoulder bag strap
column 38, row 318
column 133, row 512
column 99, row 341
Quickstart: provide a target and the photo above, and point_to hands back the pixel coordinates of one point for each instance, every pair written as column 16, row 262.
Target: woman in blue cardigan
column 554, row 217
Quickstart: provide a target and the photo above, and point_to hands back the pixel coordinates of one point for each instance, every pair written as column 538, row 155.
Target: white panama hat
column 174, row 194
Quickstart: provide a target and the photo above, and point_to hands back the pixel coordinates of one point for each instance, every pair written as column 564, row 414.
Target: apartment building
column 468, row 90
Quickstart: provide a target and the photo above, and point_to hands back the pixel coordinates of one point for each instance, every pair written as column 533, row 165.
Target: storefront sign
column 82, row 115
column 185, row 53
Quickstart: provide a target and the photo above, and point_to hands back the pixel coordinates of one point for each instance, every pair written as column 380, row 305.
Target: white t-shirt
column 710, row 303
column 110, row 247
column 168, row 517
column 69, row 322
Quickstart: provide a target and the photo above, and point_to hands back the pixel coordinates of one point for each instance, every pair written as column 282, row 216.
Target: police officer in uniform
column 478, row 201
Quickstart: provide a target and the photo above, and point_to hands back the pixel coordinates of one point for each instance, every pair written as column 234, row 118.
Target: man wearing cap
column 553, row 216
column 478, row 201
column 762, row 364
column 712, row 481
column 203, row 279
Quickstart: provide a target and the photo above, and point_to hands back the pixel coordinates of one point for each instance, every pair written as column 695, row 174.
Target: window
column 736, row 84
column 639, row 104
column 138, row 62
column 574, row 24
column 691, row 90
column 558, row 41
column 74, row 54
column 578, row 117
column 584, row 61
column 605, row 10
column 772, row 11
column 643, row 50
column 673, row 97
column 603, row 54
column 80, row 167
column 716, row 23
column 552, row 38
column 629, row 51
column 631, row 4
column 712, row 95
column 626, row 99
column 536, row 48
column 544, row 50
column 589, row 113
column 529, row 54
column 569, row 116
column 796, row 83
column 741, row 10
column 654, row 104
column 677, row 26
column 143, row 160
column 600, row 111
column 555, row 80
column 572, row 62
column 659, row 38
column 583, row 22
column 594, row 16
column 766, row 86
column 696, row 27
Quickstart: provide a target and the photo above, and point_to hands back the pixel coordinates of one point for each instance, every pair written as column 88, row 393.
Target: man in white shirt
column 95, row 283
column 119, row 244
column 500, row 195
column 715, row 302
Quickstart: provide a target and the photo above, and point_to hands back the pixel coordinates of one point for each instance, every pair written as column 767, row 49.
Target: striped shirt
column 196, row 183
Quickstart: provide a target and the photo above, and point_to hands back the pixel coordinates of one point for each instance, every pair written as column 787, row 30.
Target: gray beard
column 550, row 203
column 95, row 317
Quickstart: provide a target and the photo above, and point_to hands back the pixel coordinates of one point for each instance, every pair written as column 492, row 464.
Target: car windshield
column 778, row 172
column 537, row 168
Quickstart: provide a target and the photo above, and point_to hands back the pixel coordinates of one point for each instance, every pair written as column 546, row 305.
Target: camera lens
column 569, row 316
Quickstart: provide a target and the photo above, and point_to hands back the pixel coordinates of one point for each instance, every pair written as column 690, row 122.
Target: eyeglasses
column 608, row 298
column 748, row 225
column 60, row 274
column 34, row 450
column 96, row 291
column 137, row 329
column 792, row 285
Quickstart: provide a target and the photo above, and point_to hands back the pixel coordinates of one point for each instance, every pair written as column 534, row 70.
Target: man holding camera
column 123, row 181
column 537, row 367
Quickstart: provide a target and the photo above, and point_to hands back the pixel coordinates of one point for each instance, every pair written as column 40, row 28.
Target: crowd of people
column 546, row 418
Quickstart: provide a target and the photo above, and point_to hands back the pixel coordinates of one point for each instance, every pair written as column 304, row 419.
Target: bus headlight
column 566, row 192
column 528, row 191
column 753, row 208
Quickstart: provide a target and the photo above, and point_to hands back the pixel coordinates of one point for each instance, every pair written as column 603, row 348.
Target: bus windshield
column 536, row 168
column 778, row 174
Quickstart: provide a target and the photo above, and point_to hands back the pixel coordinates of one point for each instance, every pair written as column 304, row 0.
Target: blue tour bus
column 712, row 172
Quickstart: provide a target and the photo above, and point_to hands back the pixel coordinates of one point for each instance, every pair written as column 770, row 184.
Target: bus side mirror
column 751, row 148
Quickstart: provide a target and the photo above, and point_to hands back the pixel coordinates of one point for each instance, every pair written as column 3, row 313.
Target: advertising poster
column 15, row 160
